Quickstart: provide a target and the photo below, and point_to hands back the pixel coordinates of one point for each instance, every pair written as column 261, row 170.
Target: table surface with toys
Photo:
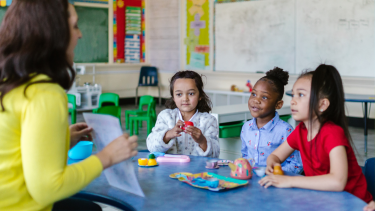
column 203, row 184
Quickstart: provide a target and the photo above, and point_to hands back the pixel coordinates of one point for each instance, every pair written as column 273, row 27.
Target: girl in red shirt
column 322, row 138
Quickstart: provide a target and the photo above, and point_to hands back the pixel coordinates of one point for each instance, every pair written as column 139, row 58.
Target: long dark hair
column 278, row 78
column 204, row 104
column 34, row 37
column 326, row 83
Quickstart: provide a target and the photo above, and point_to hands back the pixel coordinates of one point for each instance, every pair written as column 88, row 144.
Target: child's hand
column 278, row 181
column 370, row 206
column 270, row 165
column 174, row 132
column 197, row 135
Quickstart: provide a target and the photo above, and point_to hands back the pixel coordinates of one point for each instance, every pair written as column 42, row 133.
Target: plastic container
column 81, row 150
column 285, row 118
column 230, row 129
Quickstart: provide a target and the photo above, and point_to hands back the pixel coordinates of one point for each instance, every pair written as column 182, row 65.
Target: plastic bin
column 286, row 117
column 230, row 129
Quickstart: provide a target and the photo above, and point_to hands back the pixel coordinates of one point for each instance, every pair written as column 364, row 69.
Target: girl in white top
column 188, row 103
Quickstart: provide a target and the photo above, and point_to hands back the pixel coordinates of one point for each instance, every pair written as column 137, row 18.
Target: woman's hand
column 370, row 206
column 120, row 149
column 197, row 136
column 79, row 132
column 174, row 132
column 279, row 181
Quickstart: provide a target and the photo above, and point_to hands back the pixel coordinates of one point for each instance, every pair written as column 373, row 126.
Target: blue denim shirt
column 258, row 144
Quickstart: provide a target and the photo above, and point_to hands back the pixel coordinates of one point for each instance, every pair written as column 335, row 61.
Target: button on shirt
column 259, row 143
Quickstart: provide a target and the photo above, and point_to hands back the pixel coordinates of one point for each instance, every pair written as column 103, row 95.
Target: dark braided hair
column 204, row 104
column 278, row 78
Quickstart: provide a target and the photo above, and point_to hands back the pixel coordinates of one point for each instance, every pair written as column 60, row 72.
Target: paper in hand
column 106, row 129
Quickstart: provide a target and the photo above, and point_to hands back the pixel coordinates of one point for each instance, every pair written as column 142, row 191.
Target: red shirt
column 315, row 156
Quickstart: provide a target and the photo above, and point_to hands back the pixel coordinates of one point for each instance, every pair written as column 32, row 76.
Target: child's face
column 185, row 94
column 301, row 98
column 263, row 101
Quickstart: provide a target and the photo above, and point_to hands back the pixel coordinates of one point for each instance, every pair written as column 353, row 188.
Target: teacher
column 37, row 41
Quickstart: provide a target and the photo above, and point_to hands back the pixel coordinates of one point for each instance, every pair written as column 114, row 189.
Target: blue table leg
column 365, row 117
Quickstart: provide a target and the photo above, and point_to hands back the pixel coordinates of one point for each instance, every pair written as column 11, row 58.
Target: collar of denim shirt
column 268, row 127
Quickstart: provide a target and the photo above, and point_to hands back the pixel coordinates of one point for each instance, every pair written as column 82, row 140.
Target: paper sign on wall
column 197, row 60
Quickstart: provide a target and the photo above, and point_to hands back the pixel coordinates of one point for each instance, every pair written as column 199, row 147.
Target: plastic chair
column 144, row 100
column 105, row 200
column 150, row 117
column 72, row 111
column 108, row 98
column 370, row 175
column 148, row 77
column 110, row 110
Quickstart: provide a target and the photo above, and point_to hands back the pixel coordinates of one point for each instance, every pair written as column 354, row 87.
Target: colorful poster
column 197, row 33
column 128, row 20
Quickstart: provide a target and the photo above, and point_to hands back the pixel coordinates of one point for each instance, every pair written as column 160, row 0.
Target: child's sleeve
column 211, row 134
column 155, row 141
column 294, row 162
column 244, row 151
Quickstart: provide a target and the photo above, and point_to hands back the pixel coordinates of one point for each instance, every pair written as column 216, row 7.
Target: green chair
column 111, row 110
column 149, row 116
column 72, row 111
column 108, row 98
column 144, row 100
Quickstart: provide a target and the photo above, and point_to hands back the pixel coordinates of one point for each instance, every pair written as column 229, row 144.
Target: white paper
column 106, row 129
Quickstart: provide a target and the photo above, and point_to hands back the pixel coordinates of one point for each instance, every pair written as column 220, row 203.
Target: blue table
column 357, row 98
column 164, row 193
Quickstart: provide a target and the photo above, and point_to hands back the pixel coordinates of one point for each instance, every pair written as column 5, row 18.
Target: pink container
column 173, row 158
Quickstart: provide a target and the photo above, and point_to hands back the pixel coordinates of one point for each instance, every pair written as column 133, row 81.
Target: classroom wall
column 123, row 79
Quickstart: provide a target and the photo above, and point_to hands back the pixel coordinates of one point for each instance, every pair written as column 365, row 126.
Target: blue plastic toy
column 81, row 150
column 212, row 183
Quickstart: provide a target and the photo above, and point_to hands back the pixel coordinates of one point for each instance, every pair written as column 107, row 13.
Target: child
column 322, row 137
column 188, row 103
column 266, row 131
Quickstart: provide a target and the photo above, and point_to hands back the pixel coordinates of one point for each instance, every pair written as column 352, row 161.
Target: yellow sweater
column 34, row 143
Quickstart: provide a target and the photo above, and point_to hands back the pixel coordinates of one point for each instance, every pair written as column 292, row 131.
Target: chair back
column 105, row 200
column 145, row 100
column 111, row 110
column 370, row 175
column 72, row 100
column 148, row 76
column 109, row 98
column 151, row 109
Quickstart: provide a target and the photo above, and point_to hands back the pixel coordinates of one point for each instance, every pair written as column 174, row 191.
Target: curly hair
column 278, row 78
column 204, row 104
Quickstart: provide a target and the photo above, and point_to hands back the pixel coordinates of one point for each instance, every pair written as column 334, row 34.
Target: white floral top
column 184, row 144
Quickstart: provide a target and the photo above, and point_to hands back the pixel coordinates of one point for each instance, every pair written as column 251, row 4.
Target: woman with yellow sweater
column 37, row 41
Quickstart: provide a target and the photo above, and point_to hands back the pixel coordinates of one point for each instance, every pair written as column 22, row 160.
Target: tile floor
column 356, row 133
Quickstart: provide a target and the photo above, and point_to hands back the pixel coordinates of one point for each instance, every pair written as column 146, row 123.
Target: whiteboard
column 337, row 32
column 163, row 33
column 255, row 36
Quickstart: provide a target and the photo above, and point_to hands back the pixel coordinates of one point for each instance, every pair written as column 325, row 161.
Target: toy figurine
column 248, row 84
